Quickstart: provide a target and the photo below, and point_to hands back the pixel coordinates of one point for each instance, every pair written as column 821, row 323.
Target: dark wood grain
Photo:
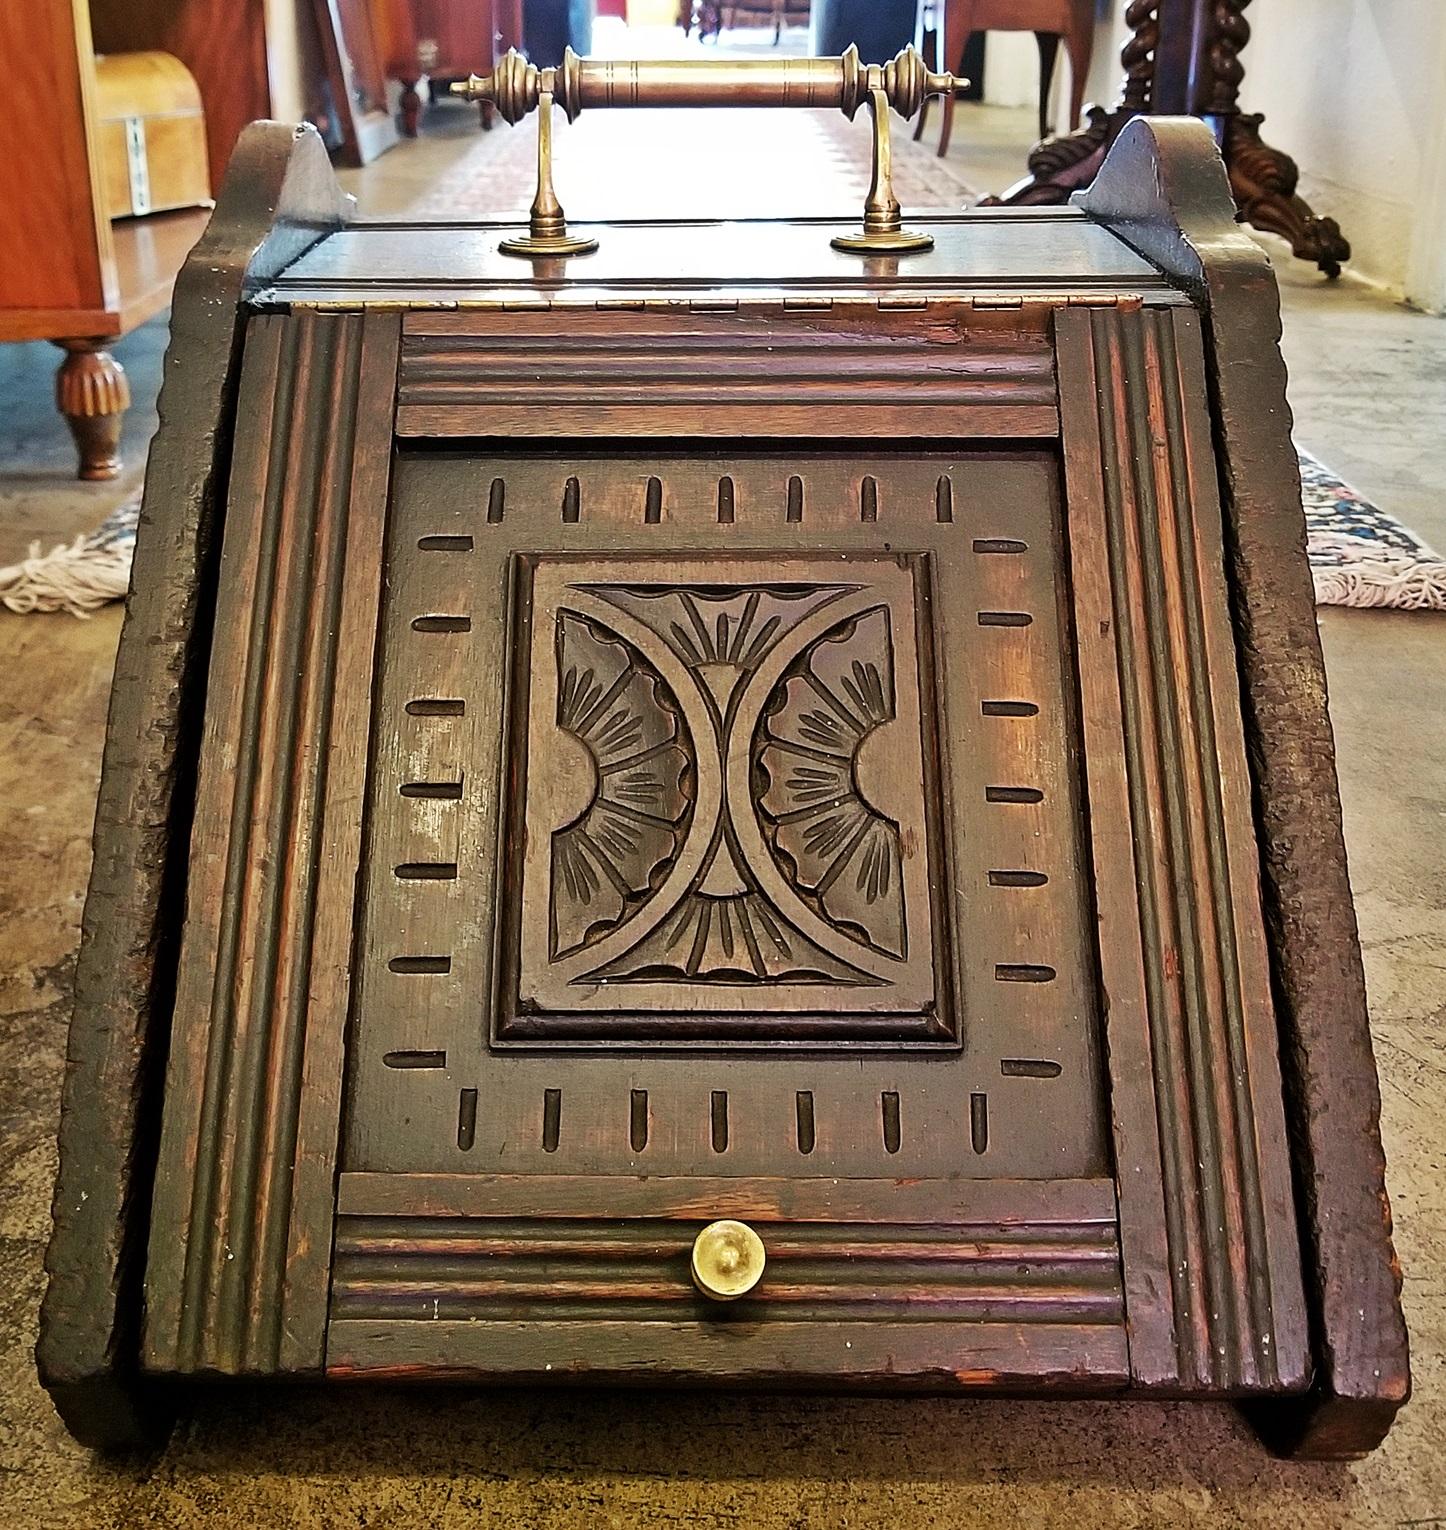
column 801, row 1197
column 543, row 1096
column 240, row 1231
column 440, row 969
column 1167, row 194
column 1181, row 937
column 977, row 1358
column 785, row 373
column 279, row 197
column 926, row 1282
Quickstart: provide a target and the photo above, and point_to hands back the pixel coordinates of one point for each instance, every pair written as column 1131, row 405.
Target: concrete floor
column 1369, row 389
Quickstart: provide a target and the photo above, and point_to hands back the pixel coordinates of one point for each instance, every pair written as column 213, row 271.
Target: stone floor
column 1369, row 390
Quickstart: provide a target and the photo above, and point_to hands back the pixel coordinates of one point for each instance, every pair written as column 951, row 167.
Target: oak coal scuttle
column 725, row 730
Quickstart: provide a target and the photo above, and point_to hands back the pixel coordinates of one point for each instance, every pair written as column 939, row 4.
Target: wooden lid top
column 996, row 252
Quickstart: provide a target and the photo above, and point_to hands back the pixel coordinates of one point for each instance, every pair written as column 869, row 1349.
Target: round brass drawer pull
column 728, row 1260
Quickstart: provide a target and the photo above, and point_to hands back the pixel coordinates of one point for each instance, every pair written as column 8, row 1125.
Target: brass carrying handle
column 517, row 87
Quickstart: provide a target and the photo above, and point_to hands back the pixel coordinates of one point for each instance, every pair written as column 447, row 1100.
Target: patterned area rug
column 1359, row 556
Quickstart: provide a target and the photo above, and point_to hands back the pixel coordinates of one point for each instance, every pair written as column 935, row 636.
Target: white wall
column 1355, row 92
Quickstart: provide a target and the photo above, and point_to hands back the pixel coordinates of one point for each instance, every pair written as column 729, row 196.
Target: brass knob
column 728, row 1260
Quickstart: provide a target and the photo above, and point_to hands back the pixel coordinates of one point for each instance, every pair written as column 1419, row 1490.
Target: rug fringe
column 1405, row 584
column 77, row 579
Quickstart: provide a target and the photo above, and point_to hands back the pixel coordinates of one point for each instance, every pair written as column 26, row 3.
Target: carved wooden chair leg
column 1048, row 54
column 1078, row 47
column 411, row 105
column 948, row 126
column 92, row 392
column 1264, row 181
column 930, row 52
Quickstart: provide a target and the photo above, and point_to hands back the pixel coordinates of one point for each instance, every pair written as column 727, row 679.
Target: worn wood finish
column 1181, row 939
column 820, row 374
column 443, row 838
column 241, row 1226
column 1078, row 1359
column 1166, row 192
column 946, row 1285
column 279, row 197
column 631, row 691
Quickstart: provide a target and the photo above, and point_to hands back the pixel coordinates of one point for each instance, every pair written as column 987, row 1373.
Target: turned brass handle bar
column 516, row 88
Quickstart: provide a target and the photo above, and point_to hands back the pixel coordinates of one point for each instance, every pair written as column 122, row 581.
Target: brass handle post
column 516, row 88
column 547, row 231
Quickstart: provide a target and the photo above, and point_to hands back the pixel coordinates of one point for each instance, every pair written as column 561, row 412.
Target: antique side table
column 728, row 810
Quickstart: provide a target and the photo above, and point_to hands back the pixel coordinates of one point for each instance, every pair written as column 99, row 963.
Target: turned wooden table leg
column 92, row 393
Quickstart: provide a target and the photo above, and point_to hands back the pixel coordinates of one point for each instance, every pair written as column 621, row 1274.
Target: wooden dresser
column 721, row 730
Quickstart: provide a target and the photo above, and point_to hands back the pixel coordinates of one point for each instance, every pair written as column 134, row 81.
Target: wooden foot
column 92, row 393
column 487, row 113
column 111, row 1411
column 411, row 104
column 1264, row 181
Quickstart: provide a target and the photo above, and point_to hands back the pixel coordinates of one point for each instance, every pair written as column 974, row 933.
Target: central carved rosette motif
column 727, row 789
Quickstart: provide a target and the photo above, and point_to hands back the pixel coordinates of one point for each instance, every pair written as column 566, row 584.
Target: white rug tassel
column 1401, row 583
column 78, row 579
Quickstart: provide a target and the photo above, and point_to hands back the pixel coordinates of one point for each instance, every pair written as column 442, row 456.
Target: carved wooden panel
column 601, row 675
column 720, row 764
column 241, row 1226
column 730, row 830
column 1207, row 1220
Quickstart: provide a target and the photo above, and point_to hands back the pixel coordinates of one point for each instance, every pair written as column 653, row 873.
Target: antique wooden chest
column 152, row 134
column 722, row 768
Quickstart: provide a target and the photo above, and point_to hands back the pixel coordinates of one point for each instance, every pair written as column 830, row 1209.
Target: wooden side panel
column 241, row 1228
column 1164, row 188
column 1207, row 1221
column 819, row 374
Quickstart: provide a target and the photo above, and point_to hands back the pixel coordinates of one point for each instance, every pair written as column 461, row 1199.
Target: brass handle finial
column 728, row 1260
